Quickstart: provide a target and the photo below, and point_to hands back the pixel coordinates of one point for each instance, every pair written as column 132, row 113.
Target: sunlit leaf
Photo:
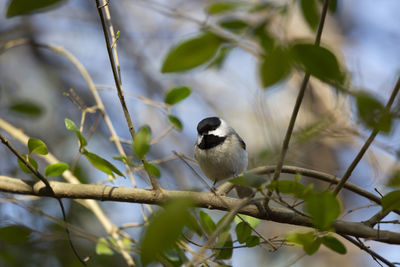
column 37, row 146
column 308, row 241
column 309, row 9
column 275, row 67
column 56, row 169
column 220, row 7
column 391, row 201
column 102, row 164
column 248, row 180
column 24, row 168
column 207, row 223
column 25, row 107
column 373, row 113
column 323, row 208
column 141, row 141
column 334, row 244
column 176, row 122
column 252, row 221
column 14, row 234
column 125, row 160
column 192, row 53
column 159, row 239
column 318, row 61
column 152, row 169
column 103, row 247
column 176, row 95
column 70, row 125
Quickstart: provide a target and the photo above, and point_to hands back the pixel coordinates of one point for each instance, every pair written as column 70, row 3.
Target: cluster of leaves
column 163, row 244
column 277, row 59
column 37, row 146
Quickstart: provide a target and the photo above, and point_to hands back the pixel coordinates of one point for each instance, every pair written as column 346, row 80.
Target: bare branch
column 203, row 200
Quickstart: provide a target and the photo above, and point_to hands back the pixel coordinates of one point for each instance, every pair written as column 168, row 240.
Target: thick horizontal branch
column 204, row 200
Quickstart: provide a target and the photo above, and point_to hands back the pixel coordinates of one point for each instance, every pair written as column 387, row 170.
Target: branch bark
column 203, row 200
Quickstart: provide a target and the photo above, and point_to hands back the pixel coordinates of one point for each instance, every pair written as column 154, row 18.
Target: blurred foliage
column 164, row 235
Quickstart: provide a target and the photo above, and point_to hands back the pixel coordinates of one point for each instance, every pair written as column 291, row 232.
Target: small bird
column 219, row 150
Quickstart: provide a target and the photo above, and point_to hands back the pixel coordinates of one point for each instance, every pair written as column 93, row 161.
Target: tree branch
column 203, row 200
column 366, row 145
column 299, row 99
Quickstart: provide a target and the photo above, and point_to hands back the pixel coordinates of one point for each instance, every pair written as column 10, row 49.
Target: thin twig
column 91, row 204
column 373, row 254
column 48, row 186
column 299, row 99
column 366, row 145
column 120, row 92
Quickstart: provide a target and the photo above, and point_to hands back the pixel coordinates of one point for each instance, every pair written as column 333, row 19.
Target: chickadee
column 219, row 150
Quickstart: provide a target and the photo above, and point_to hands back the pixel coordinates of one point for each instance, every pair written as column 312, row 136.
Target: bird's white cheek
column 199, row 139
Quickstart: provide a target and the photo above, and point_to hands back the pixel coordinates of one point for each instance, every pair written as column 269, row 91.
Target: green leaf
column 391, row 201
column 334, row 244
column 266, row 40
column 14, row 234
column 125, row 160
column 37, row 146
column 141, row 141
column 24, row 168
column 220, row 7
column 252, row 241
column 394, row 180
column 25, row 107
column 243, row 232
column 192, row 53
column 373, row 113
column 70, row 125
column 103, row 247
column 227, row 225
column 193, row 225
column 224, row 241
column 332, row 5
column 248, row 180
column 290, row 187
column 323, row 208
column 318, row 61
column 308, row 241
column 234, row 24
column 310, row 11
column 152, row 169
column 102, row 164
column 56, row 169
column 254, row 222
column 23, row 7
column 275, row 67
column 207, row 223
column 176, row 122
column 159, row 239
column 176, row 95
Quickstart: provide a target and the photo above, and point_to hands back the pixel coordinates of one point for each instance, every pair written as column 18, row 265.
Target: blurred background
column 363, row 34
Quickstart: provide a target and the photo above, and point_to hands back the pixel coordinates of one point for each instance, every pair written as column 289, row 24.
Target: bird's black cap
column 208, row 124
